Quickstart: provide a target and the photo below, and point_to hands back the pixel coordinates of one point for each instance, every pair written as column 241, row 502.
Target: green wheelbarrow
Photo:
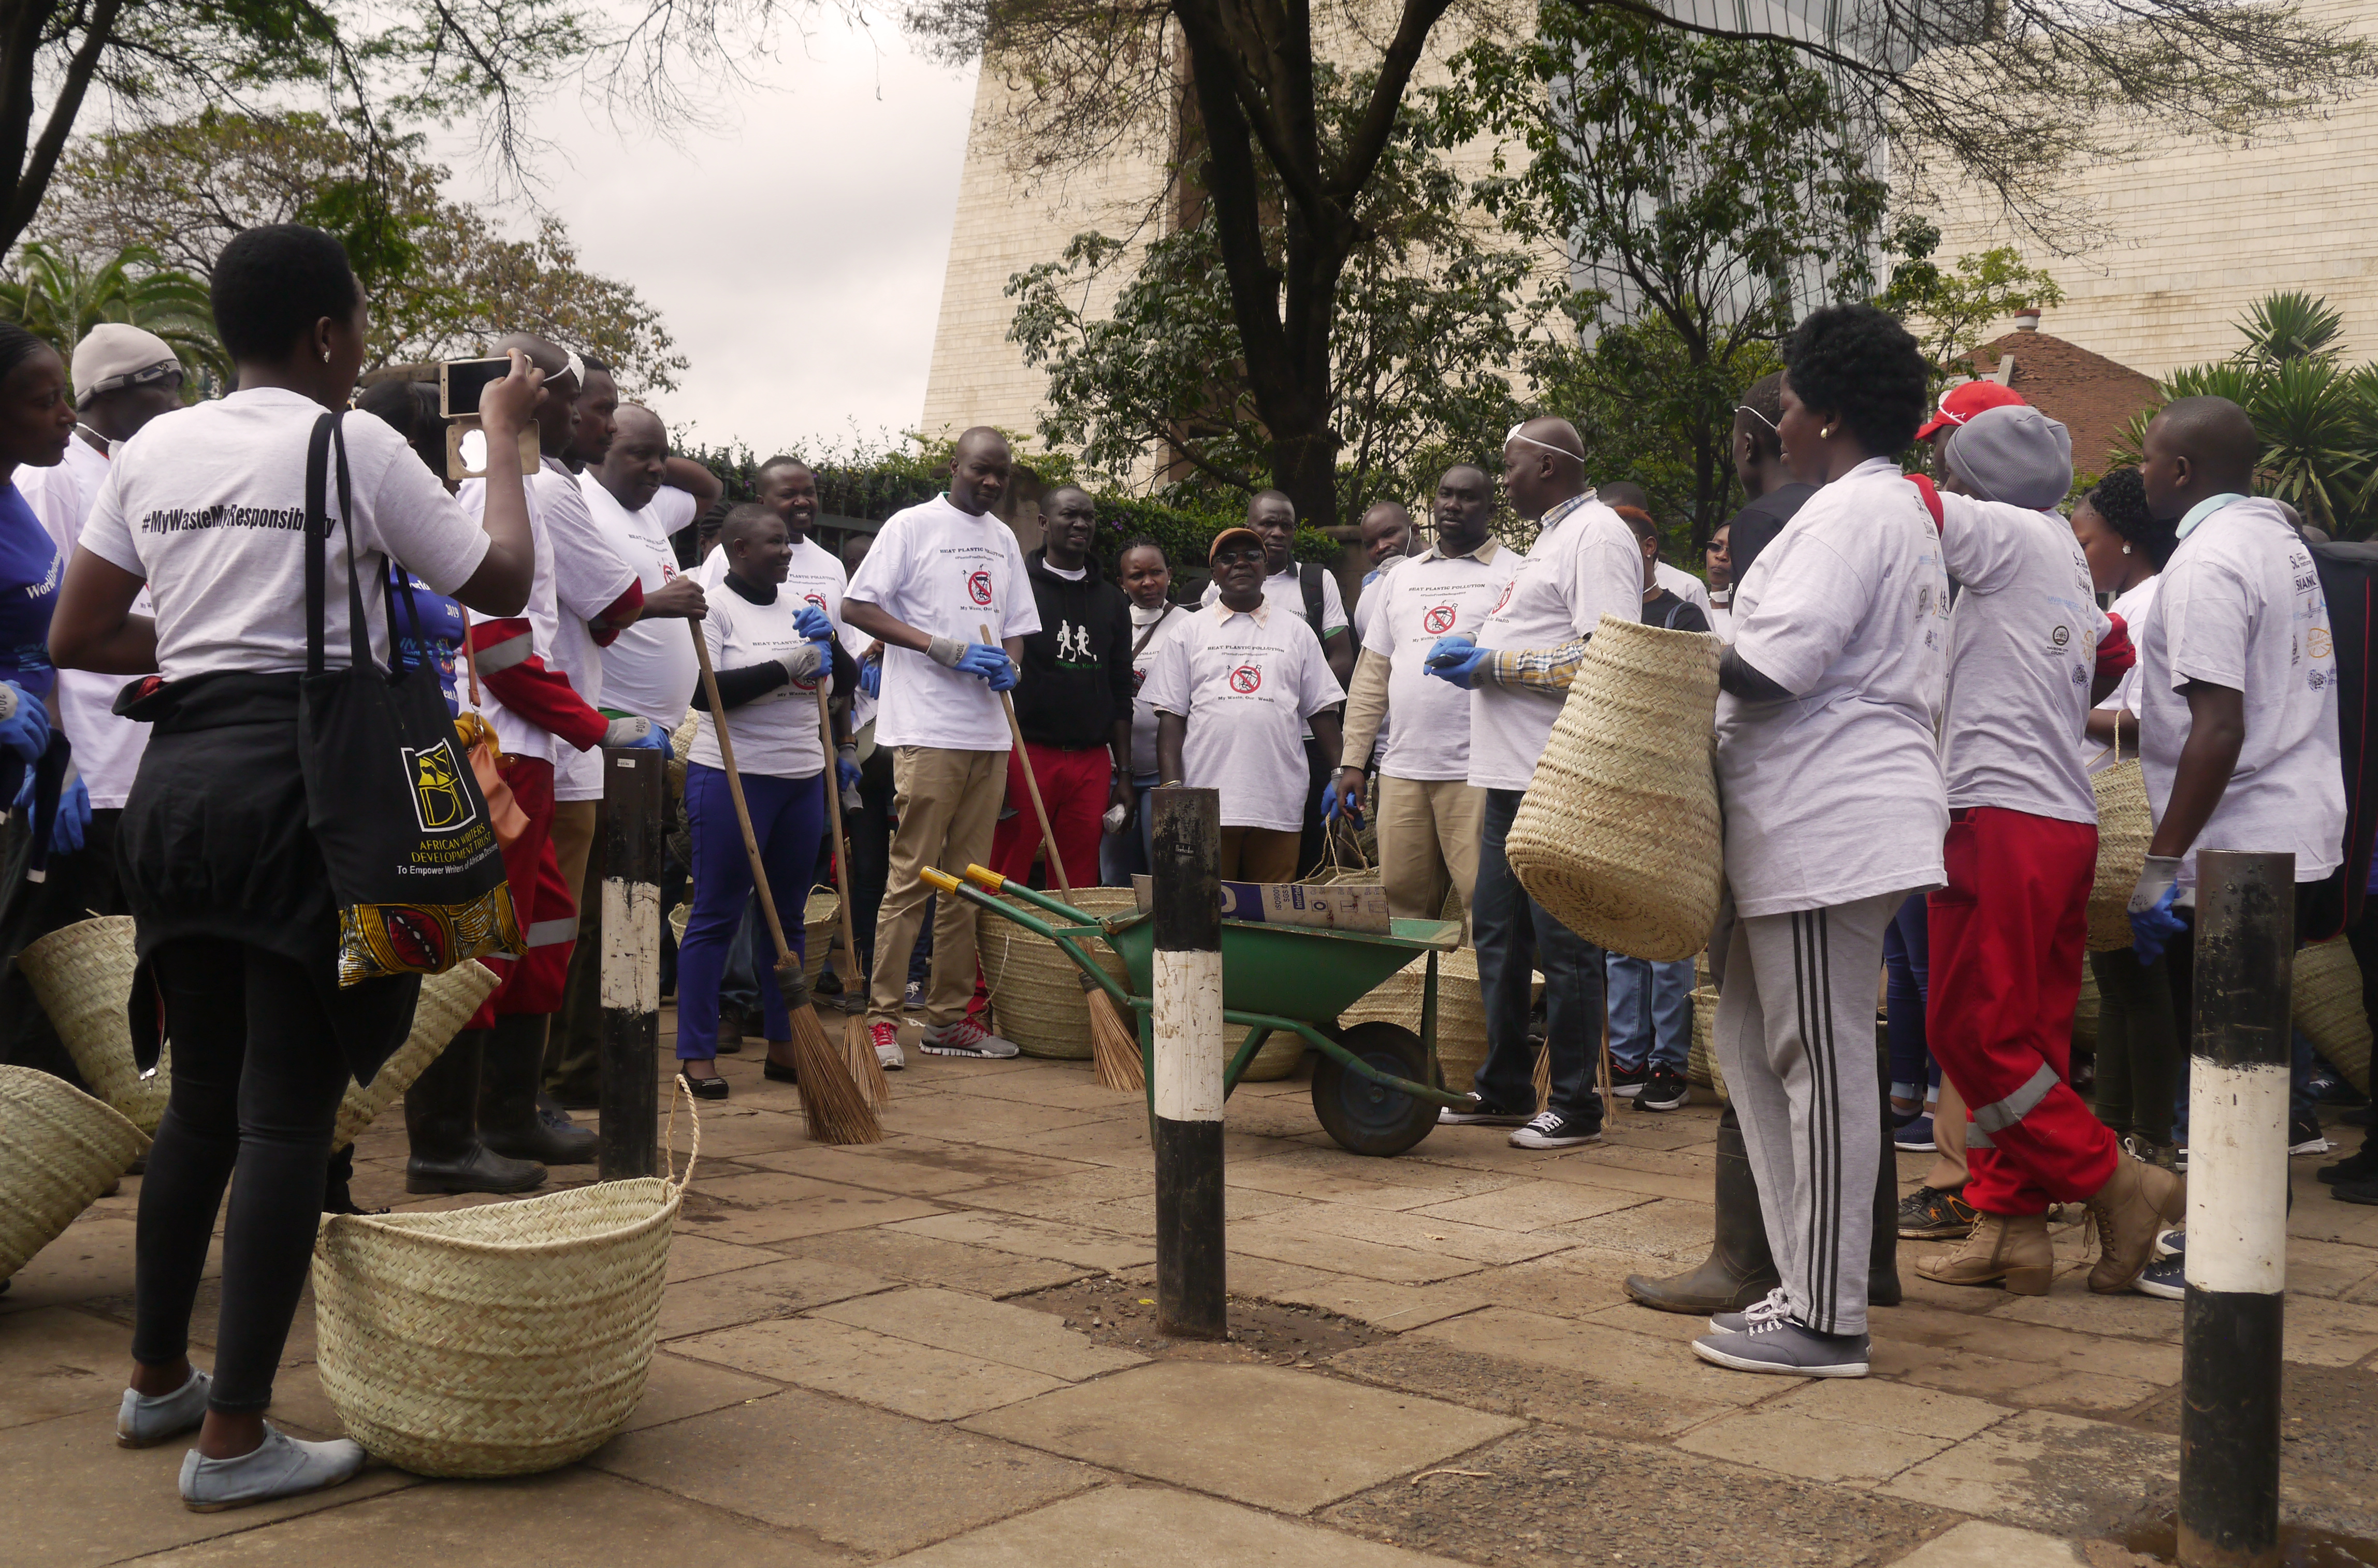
column 1377, row 1086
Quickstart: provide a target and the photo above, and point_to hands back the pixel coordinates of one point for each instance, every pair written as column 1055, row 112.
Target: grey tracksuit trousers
column 1794, row 1033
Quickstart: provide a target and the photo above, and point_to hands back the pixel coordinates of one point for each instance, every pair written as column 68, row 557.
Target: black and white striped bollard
column 2236, row 1267
column 635, row 786
column 1191, row 1299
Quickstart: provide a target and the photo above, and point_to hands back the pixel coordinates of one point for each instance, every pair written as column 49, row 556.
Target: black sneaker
column 1557, row 1130
column 2305, row 1137
column 1930, row 1214
column 1478, row 1113
column 1666, row 1089
column 2362, row 1191
column 1626, row 1083
column 2360, row 1166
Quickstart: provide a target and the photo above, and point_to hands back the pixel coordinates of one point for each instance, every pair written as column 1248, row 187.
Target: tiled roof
column 2095, row 396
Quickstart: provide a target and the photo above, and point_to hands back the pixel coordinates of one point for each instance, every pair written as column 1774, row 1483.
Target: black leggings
column 257, row 1081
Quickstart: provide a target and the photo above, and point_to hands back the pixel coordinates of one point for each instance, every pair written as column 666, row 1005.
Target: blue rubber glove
column 1334, row 805
column 870, row 677
column 25, row 728
column 846, row 773
column 811, row 622
column 1455, row 659
column 992, row 664
column 638, row 735
column 2153, row 924
column 73, row 819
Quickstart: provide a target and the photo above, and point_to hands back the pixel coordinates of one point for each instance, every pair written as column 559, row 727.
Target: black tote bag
column 402, row 828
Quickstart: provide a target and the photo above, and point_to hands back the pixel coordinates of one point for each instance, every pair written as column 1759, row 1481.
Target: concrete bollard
column 635, row 786
column 1191, row 1295
column 2236, row 1211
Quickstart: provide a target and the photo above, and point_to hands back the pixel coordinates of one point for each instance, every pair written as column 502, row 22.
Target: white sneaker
column 281, row 1467
column 144, row 1420
column 885, row 1038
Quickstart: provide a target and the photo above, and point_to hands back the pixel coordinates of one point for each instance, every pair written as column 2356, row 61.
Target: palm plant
column 58, row 297
column 2290, row 326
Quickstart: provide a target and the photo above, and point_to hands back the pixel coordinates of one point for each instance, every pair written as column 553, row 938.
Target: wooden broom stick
column 1032, row 784
column 864, row 1066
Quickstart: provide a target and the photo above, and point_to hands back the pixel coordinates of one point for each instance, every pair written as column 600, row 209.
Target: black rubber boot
column 1882, row 1259
column 510, row 1077
column 441, row 1117
column 1740, row 1269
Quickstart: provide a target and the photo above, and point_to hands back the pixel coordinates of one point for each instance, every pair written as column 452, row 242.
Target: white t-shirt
column 1721, row 619
column 1285, row 590
column 2242, row 606
column 2022, row 651
column 1144, row 761
column 1835, row 795
column 208, row 506
column 648, row 669
column 1245, row 683
column 1683, row 585
column 2132, row 607
column 948, row 574
column 588, row 578
column 106, row 747
column 1430, row 597
column 775, row 734
column 1585, row 563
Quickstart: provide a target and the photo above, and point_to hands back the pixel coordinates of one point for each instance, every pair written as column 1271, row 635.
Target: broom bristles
column 1543, row 1075
column 859, row 1050
column 833, row 1106
column 1114, row 1046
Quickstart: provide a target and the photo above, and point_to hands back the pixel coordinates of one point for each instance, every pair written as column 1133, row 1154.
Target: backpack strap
column 1308, row 577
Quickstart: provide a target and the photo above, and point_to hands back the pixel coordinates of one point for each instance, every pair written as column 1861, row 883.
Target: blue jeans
column 1907, row 958
column 788, row 818
column 1650, row 1012
column 1514, row 936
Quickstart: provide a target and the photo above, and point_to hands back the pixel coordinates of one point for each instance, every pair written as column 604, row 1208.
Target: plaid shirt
column 1545, row 670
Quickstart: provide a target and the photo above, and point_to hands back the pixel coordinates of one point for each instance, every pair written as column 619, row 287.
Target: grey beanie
column 2014, row 454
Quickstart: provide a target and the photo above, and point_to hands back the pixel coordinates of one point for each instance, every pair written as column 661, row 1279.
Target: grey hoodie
column 2014, row 454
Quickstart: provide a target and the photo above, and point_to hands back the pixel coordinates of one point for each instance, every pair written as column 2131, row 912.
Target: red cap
column 1966, row 400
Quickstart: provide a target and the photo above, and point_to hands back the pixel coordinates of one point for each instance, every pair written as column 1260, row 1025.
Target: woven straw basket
column 819, row 918
column 2327, row 1006
column 1618, row 836
column 495, row 1341
column 2125, row 824
column 82, row 976
column 59, row 1149
column 447, row 1003
column 1700, row 1061
column 1035, row 987
column 1460, row 1013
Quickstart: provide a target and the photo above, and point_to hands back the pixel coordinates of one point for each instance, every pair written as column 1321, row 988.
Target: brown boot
column 2137, row 1200
column 2010, row 1250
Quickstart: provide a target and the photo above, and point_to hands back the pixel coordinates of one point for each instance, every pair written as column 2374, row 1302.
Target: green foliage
column 59, row 298
column 2287, row 326
column 1949, row 308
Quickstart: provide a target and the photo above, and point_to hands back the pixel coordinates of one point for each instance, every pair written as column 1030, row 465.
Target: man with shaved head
column 943, row 589
column 1585, row 563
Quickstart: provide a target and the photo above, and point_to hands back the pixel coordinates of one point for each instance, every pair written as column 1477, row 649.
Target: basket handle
column 2114, row 751
column 677, row 1184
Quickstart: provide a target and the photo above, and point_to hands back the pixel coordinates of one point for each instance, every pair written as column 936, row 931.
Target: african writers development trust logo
column 440, row 802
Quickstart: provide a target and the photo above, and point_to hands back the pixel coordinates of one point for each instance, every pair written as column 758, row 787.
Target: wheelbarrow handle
column 983, row 876
column 933, row 876
column 1092, row 974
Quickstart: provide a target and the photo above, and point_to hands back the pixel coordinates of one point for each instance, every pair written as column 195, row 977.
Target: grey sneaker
column 885, row 1038
column 966, row 1037
column 281, row 1467
column 143, row 1421
column 1774, row 1304
column 1779, row 1345
column 1478, row 1113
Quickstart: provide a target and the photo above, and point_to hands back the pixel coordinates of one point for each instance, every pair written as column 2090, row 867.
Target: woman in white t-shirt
column 770, row 644
column 1835, row 811
column 236, row 926
column 2141, row 1058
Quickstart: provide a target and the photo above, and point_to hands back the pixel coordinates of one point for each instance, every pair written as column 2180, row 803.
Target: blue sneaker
column 1913, row 1135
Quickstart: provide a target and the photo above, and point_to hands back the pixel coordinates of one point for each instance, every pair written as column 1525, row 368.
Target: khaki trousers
column 1428, row 843
column 1258, row 855
column 948, row 806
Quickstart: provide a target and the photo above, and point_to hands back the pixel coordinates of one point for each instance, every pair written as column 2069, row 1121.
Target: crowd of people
column 1918, row 677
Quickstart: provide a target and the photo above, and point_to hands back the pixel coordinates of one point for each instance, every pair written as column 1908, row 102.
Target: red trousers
column 1076, row 787
column 546, row 906
column 2008, row 942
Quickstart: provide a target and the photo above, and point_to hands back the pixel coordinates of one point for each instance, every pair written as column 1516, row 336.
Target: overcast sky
column 798, row 256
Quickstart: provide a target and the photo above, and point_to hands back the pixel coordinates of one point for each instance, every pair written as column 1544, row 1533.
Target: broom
column 858, row 1050
column 835, row 1108
column 1114, row 1045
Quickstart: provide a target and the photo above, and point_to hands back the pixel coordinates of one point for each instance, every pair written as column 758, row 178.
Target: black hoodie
column 1076, row 682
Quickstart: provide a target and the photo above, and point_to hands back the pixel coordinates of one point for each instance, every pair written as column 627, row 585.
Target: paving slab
column 2107, row 1355
column 2329, row 1333
column 777, row 1289
column 1672, row 1228
column 1874, row 1401
column 863, row 1480
column 695, row 1257
column 2024, row 1384
column 992, row 1331
column 737, row 1135
column 1794, row 1444
column 1328, row 1176
column 2074, row 1476
column 75, row 1498
column 874, row 1369
column 920, row 1167
column 1121, row 1526
column 1034, row 1238
column 1575, row 1282
column 1395, row 1307
column 1533, row 1206
column 1286, row 1242
column 974, row 1119
column 2328, row 1430
column 1647, row 1365
column 54, row 1360
column 1503, row 1385
column 2071, row 1304
column 840, row 1208
column 92, row 1258
column 1977, row 1543
column 1421, row 1232
column 923, row 1260
column 1287, row 1440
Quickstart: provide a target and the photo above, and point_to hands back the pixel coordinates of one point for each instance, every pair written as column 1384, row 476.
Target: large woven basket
column 1701, row 1063
column 447, row 1003
column 82, row 976
column 495, row 1341
column 2125, row 824
column 1035, row 987
column 59, row 1149
column 2327, row 1006
column 1618, row 836
column 1460, row 1013
column 819, row 918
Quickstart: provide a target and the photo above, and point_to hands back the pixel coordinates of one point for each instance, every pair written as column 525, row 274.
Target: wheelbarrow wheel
column 1363, row 1117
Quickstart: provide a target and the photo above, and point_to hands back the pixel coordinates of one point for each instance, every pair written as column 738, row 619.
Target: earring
column 2126, row 549
column 1826, row 434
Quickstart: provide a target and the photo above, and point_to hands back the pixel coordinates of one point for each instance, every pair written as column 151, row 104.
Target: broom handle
column 1032, row 785
column 735, row 792
column 841, row 854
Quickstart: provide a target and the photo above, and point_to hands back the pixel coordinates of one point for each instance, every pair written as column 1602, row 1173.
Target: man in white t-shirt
column 2028, row 650
column 1429, row 811
column 1233, row 691
column 938, row 577
column 1585, row 563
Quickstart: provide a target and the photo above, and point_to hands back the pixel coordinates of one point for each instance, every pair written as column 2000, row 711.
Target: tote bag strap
column 327, row 436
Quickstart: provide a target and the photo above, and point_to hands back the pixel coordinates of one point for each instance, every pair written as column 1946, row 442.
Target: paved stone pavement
column 940, row 1350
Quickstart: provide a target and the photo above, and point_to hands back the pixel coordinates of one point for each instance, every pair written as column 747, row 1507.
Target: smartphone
column 460, row 382
column 466, row 450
